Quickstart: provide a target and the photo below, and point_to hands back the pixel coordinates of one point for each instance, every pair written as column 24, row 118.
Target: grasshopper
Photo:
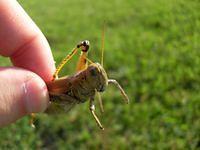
column 89, row 80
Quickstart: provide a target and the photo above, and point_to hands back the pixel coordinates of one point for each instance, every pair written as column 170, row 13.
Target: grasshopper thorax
column 97, row 77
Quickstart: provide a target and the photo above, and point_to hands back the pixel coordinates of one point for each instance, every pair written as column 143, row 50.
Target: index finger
column 23, row 42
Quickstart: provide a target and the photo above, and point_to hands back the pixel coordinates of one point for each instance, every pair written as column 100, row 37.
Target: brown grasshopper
column 66, row 92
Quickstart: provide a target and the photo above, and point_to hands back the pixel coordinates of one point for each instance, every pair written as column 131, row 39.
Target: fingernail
column 36, row 95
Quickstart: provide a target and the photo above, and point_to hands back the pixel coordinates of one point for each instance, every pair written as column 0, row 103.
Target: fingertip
column 21, row 92
column 35, row 95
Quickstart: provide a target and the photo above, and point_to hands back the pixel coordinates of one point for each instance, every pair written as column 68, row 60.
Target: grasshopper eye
column 93, row 72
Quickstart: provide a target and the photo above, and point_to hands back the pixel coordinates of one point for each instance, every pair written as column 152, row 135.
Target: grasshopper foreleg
column 112, row 81
column 92, row 110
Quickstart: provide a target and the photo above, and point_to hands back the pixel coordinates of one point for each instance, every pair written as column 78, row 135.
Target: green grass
column 152, row 48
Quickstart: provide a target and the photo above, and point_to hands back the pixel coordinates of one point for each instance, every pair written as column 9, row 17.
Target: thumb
column 21, row 92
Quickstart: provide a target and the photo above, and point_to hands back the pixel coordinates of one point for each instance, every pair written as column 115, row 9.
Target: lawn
column 152, row 47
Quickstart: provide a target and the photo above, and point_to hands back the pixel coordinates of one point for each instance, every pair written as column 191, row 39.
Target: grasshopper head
column 97, row 76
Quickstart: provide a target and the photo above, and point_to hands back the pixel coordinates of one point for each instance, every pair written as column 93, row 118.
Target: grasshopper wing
column 60, row 103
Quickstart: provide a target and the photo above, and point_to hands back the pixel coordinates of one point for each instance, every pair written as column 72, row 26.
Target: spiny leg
column 84, row 45
column 92, row 109
column 120, row 88
column 64, row 61
column 82, row 62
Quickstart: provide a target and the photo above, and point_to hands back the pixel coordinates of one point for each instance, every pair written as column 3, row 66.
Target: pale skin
column 22, row 86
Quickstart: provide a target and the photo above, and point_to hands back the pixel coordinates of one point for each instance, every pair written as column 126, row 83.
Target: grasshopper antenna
column 102, row 54
column 102, row 43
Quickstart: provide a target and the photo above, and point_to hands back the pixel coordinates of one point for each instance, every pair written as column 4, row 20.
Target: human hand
column 22, row 91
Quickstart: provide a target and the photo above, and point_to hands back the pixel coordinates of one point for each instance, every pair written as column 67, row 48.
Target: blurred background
column 152, row 47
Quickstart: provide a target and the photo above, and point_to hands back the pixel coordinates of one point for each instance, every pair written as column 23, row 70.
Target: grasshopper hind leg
column 64, row 61
column 82, row 62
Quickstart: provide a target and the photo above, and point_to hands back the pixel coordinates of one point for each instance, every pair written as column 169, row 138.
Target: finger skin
column 23, row 42
column 21, row 92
